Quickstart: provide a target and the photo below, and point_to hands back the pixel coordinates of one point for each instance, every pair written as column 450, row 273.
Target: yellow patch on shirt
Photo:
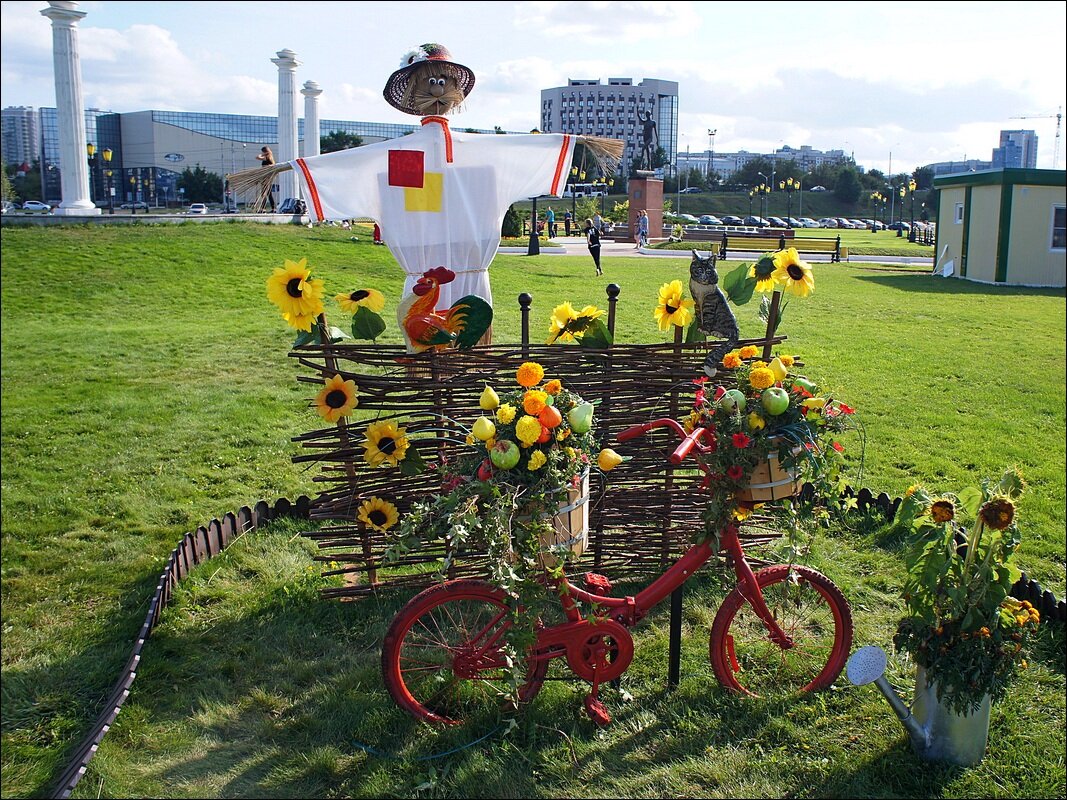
column 428, row 198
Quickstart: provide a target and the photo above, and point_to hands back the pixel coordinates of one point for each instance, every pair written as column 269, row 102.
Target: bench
column 762, row 244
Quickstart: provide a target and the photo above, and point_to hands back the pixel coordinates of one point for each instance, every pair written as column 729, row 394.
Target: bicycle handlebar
column 678, row 456
column 689, row 441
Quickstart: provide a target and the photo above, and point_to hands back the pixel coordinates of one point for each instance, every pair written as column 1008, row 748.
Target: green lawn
column 146, row 389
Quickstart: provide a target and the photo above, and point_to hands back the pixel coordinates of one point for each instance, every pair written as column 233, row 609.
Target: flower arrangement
column 961, row 626
column 774, row 425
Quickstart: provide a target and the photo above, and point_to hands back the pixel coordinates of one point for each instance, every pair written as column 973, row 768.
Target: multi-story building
column 953, row 167
column 614, row 110
column 1018, row 149
column 150, row 149
column 19, row 134
column 726, row 164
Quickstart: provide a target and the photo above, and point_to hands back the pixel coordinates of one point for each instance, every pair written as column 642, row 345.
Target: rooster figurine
column 425, row 327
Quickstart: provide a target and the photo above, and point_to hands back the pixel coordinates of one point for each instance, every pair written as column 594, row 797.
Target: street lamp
column 107, row 173
column 900, row 222
column 90, row 148
column 911, row 228
column 133, row 194
column 876, row 198
column 789, row 186
column 608, row 183
column 762, row 191
column 751, row 194
column 711, row 159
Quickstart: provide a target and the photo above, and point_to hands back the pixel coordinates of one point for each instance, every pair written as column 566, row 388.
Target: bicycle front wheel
column 809, row 608
column 442, row 659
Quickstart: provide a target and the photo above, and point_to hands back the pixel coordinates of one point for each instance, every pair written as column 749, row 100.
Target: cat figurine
column 713, row 314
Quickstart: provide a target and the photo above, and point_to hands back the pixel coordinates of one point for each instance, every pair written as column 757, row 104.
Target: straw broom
column 257, row 181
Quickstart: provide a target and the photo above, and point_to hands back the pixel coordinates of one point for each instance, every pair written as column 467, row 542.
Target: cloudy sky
column 922, row 82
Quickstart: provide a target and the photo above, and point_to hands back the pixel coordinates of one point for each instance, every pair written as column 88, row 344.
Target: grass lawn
column 146, row 389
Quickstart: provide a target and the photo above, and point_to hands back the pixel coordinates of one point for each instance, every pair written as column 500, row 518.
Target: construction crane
column 1058, row 116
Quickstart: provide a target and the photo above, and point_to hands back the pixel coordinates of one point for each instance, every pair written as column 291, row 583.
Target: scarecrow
column 439, row 195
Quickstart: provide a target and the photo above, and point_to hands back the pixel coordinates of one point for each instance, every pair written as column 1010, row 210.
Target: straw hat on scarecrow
column 428, row 82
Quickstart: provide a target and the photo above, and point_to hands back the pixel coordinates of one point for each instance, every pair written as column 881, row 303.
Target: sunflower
column 529, row 374
column 942, row 511
column 368, row 298
column 336, row 399
column 378, row 514
column 673, row 308
column 562, row 316
column 793, row 274
column 763, row 272
column 385, row 444
column 998, row 513
column 296, row 293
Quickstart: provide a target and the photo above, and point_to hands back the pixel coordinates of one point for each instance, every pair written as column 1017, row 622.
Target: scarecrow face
column 433, row 90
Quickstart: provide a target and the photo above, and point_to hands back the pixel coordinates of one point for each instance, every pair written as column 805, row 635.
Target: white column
column 287, row 138
column 311, row 92
column 70, row 113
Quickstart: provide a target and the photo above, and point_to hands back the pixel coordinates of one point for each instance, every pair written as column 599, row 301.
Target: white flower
column 413, row 56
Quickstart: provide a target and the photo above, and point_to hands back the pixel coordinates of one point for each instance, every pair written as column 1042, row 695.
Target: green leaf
column 738, row 286
column 336, row 335
column 366, row 324
column 694, row 335
column 597, row 336
column 970, row 499
column 412, row 463
column 305, row 338
column 734, row 278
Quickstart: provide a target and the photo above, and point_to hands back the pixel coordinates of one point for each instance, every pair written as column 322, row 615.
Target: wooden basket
column 770, row 481
column 570, row 525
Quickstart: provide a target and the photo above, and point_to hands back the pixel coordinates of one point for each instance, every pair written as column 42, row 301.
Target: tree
column 26, row 186
column 339, row 140
column 847, row 188
column 512, row 225
column 749, row 175
column 200, row 185
column 822, row 175
column 7, row 191
column 924, row 178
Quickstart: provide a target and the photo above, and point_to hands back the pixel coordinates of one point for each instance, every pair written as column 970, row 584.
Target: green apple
column 581, row 417
column 733, row 400
column 505, row 454
column 806, row 385
column 774, row 400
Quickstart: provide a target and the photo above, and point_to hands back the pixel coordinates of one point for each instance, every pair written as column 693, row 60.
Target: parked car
column 808, row 222
column 138, row 205
column 710, row 219
column 758, row 222
column 795, row 222
column 196, row 208
column 859, row 224
column 730, row 219
column 292, row 205
column 899, row 226
column 691, row 190
column 828, row 222
column 817, row 189
column 687, row 218
column 778, row 222
column 36, row 205
column 844, row 223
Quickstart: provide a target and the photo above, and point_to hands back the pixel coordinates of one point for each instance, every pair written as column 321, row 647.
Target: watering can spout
column 867, row 665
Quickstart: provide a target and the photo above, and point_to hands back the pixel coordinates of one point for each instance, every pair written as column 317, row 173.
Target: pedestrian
column 642, row 229
column 377, row 234
column 567, row 223
column 550, row 222
column 598, row 222
column 592, row 239
column 267, row 157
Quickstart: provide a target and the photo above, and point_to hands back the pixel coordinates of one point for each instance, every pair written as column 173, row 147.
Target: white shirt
column 438, row 196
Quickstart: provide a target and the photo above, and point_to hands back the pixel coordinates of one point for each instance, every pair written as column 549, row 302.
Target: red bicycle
column 783, row 628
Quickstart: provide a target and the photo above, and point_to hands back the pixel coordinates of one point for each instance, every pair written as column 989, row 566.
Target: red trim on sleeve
column 560, row 163
column 315, row 201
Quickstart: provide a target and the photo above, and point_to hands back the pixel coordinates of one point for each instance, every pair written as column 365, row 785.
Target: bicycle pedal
column 597, row 711
column 596, row 584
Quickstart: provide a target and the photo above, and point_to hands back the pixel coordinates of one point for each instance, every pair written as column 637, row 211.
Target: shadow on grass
column 930, row 284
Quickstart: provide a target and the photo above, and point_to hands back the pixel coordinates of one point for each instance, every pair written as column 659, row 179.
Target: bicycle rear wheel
column 442, row 659
column 813, row 613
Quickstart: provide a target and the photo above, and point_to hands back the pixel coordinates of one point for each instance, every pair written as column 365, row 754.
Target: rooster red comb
column 440, row 274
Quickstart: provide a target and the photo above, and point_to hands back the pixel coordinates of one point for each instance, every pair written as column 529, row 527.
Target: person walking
column 592, row 239
column 267, row 157
column 642, row 230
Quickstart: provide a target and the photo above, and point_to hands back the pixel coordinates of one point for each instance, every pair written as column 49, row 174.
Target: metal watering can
column 937, row 733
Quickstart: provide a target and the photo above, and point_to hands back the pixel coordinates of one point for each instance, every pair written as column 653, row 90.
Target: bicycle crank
column 601, row 651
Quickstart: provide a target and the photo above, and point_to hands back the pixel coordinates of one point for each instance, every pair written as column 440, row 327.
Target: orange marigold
column 534, row 402
column 554, row 387
column 749, row 351
column 731, row 361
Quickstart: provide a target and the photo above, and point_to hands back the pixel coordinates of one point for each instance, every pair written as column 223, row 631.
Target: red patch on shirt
column 405, row 168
